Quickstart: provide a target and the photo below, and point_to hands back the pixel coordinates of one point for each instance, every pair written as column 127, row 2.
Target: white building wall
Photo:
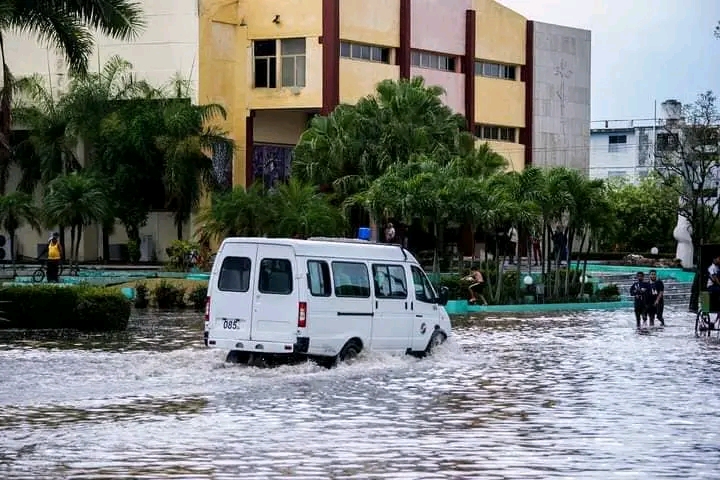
column 631, row 160
column 561, row 96
column 167, row 46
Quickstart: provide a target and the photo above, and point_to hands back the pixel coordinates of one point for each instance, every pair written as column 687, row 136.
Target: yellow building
column 275, row 63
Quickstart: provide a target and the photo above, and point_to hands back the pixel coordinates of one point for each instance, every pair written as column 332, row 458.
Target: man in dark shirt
column 656, row 299
column 640, row 291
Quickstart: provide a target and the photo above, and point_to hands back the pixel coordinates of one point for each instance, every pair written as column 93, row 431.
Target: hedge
column 55, row 307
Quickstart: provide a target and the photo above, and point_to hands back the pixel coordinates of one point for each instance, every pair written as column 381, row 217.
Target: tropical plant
column 186, row 133
column 299, row 210
column 65, row 25
column 356, row 144
column 76, row 200
column 17, row 209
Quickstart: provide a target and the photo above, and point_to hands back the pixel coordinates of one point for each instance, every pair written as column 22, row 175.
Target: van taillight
column 207, row 309
column 302, row 315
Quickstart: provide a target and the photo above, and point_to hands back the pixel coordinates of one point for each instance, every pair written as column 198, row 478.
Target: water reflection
column 569, row 396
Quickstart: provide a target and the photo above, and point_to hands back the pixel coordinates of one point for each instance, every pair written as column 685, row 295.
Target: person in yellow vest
column 54, row 258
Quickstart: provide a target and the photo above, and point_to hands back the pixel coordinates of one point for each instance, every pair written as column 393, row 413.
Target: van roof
column 333, row 247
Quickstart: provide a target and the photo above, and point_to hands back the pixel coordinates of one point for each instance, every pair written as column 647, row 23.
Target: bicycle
column 704, row 324
column 41, row 272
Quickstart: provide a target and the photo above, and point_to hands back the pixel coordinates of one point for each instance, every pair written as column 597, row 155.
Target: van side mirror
column 443, row 296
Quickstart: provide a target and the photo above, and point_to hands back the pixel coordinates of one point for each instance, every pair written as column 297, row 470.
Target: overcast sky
column 642, row 50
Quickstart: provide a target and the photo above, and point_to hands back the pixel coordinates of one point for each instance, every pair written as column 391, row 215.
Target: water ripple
column 567, row 396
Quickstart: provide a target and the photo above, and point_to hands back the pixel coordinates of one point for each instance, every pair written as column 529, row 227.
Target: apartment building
column 523, row 86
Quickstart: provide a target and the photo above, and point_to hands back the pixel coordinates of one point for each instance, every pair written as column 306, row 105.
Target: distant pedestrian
column 54, row 257
column 640, row 291
column 512, row 236
column 389, row 233
column 656, row 303
column 536, row 251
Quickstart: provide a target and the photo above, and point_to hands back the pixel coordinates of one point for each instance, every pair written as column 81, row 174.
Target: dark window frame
column 426, row 284
column 327, row 278
column 367, row 279
column 223, row 269
column 387, row 267
column 260, row 283
column 269, row 61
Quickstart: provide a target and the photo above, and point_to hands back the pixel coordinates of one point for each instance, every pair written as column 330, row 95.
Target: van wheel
column 349, row 352
column 438, row 338
column 236, row 356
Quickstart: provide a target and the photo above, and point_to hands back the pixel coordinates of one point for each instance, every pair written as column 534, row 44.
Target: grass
column 153, row 282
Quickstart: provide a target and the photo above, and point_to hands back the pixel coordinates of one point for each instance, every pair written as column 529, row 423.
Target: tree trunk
column 11, row 233
column 61, row 233
column 5, row 119
column 77, row 245
column 72, row 243
column 179, row 227
column 105, row 243
column 568, row 262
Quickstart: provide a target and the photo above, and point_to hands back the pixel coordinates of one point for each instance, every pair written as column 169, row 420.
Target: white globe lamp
column 528, row 280
column 654, row 250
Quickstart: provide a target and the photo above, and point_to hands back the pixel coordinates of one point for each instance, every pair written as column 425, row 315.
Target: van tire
column 438, row 338
column 349, row 352
column 236, row 356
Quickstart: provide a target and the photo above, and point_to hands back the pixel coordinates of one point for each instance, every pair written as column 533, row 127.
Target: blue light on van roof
column 364, row 233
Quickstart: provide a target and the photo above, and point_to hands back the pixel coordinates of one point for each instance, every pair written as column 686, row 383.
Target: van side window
column 351, row 279
column 234, row 275
column 389, row 281
column 319, row 278
column 423, row 289
column 275, row 276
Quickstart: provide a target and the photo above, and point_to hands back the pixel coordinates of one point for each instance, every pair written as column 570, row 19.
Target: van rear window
column 351, row 279
column 276, row 276
column 234, row 275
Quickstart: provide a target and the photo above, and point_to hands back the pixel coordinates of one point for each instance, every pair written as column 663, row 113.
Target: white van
column 324, row 299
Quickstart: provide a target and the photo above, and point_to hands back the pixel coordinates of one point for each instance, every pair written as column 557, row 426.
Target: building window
column 265, row 63
column 617, row 174
column 491, row 132
column 667, row 142
column 433, row 60
column 292, row 51
column 361, row 51
column 616, row 143
column 495, row 70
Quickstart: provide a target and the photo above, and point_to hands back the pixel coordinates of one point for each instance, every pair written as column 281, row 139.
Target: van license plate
column 232, row 323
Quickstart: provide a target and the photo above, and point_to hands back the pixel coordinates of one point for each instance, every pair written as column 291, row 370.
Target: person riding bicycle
column 54, row 257
column 713, row 284
column 640, row 291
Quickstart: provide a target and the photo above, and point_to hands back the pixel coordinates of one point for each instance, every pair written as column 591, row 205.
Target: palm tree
column 239, row 212
column 356, row 144
column 65, row 25
column 299, row 209
column 49, row 150
column 186, row 134
column 76, row 200
column 17, row 209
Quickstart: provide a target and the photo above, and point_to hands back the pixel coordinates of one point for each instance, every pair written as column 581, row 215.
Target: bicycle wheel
column 38, row 275
column 702, row 323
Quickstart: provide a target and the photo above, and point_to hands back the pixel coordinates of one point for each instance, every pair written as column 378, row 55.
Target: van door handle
column 411, row 306
column 376, row 304
column 405, row 305
column 419, row 316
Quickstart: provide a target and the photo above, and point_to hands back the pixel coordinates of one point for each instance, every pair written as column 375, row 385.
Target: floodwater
column 572, row 396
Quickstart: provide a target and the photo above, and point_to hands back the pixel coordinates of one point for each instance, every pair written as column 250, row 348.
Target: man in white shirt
column 512, row 243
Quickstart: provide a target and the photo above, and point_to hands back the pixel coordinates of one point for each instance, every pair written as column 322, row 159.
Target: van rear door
column 275, row 306
column 231, row 304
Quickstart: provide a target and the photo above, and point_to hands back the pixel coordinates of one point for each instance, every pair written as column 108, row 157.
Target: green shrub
column 167, row 295
column 51, row 306
column 608, row 293
column 197, row 296
column 179, row 253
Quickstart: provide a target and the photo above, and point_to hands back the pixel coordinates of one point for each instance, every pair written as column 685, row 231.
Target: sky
column 642, row 50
